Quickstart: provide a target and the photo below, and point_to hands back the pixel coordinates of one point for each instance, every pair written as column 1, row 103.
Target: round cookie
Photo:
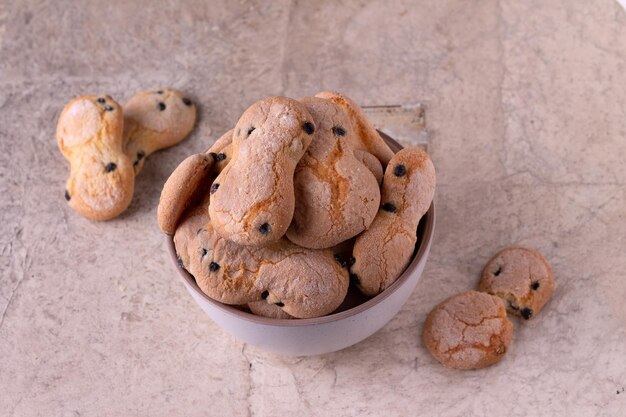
column 521, row 277
column 336, row 195
column 385, row 249
column 264, row 309
column 252, row 200
column 468, row 331
column 89, row 135
column 304, row 283
column 366, row 137
column 185, row 186
column 154, row 120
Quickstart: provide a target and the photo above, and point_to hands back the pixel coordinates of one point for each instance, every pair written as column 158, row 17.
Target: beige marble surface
column 526, row 109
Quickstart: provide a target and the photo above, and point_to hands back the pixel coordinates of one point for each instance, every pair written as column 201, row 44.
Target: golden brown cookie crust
column 254, row 200
column 384, row 250
column 89, row 135
column 337, row 197
column 521, row 277
column 468, row 331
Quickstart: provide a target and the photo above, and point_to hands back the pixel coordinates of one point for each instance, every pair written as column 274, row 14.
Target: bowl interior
column 354, row 303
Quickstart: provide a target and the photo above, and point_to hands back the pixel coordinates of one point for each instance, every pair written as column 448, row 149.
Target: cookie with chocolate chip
column 156, row 119
column 522, row 278
column 89, row 135
column 254, row 202
column 468, row 331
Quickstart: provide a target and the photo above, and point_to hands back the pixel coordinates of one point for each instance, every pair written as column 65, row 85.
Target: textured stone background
column 526, row 105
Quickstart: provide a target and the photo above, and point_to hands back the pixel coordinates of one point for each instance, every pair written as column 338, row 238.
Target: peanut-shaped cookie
column 89, row 134
column 468, row 331
column 188, row 184
column 155, row 120
column 337, row 197
column 304, row 283
column 521, row 277
column 384, row 250
column 366, row 137
column 252, row 199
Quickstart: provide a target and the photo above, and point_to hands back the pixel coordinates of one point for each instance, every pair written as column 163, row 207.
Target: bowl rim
column 425, row 241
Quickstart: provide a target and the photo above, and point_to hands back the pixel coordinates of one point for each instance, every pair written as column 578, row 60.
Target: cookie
column 366, row 137
column 253, row 197
column 264, row 309
column 468, row 331
column 522, row 278
column 384, row 250
column 304, row 283
column 185, row 186
column 337, row 197
column 222, row 151
column 154, row 120
column 89, row 135
column 371, row 163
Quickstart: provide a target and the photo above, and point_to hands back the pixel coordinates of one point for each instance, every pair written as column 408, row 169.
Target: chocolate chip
column 354, row 279
column 251, row 130
column 495, row 274
column 265, row 228
column 280, row 304
column 101, row 100
column 390, row 207
column 108, row 108
column 339, row 131
column 308, row 127
column 160, row 92
column 526, row 313
column 67, row 196
column 180, row 261
column 214, row 187
column 187, row 102
column 351, row 261
column 265, row 294
column 110, row 167
column 220, row 157
column 214, row 266
column 341, row 261
column 535, row 285
column 204, row 252
column 162, row 106
column 399, row 170
column 140, row 155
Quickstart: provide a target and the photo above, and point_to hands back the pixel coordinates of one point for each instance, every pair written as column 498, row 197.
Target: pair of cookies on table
column 293, row 180
column 107, row 144
column 471, row 330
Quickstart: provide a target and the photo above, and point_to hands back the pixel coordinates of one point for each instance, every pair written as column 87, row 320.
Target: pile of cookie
column 107, row 145
column 301, row 198
column 471, row 330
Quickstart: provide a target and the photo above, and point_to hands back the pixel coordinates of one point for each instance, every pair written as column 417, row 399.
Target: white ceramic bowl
column 320, row 335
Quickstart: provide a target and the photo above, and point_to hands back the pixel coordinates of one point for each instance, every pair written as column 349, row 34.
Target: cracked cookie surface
column 156, row 119
column 385, row 249
column 468, row 331
column 253, row 201
column 89, row 135
column 304, row 283
column 337, row 196
column 521, row 277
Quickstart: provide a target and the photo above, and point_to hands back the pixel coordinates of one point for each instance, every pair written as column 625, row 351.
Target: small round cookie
column 304, row 283
column 154, row 120
column 337, row 197
column 522, row 278
column 184, row 187
column 222, row 151
column 252, row 200
column 89, row 135
column 468, row 331
column 372, row 163
column 366, row 138
column 384, row 250
column 264, row 309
